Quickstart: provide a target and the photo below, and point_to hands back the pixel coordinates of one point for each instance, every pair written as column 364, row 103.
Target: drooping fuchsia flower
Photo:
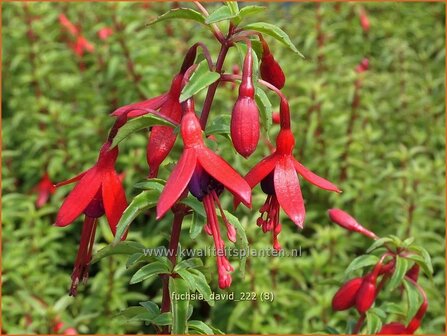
column 104, row 33
column 362, row 66
column 245, row 115
column 270, row 69
column 161, row 138
column 347, row 222
column 82, row 45
column 277, row 174
column 393, row 328
column 205, row 175
column 68, row 25
column 364, row 20
column 45, row 188
column 98, row 191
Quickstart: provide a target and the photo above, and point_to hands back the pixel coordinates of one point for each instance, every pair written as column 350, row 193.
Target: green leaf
column 242, row 240
column 153, row 183
column 143, row 201
column 413, row 298
column 180, row 13
column 202, row 285
column 373, row 323
column 122, row 247
column 331, row 330
column 197, row 224
column 137, row 124
column 399, row 272
column 378, row 243
column 163, row 319
column 179, row 307
column 194, row 204
column 265, row 108
column 233, row 6
column 219, row 125
column 275, row 32
column 151, row 307
column 422, row 263
column 220, row 14
column 189, row 263
column 201, row 79
column 360, row 262
column 133, row 259
column 250, row 10
column 199, row 327
column 149, row 271
column 423, row 252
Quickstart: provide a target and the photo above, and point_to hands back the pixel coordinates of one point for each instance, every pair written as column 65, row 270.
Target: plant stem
column 213, row 87
column 179, row 214
column 359, row 324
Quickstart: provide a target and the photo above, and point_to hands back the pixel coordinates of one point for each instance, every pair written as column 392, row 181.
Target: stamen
column 84, row 255
column 231, row 231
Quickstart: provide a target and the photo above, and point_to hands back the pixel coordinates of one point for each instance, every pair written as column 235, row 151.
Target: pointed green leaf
column 137, row 124
column 149, row 271
column 219, row 125
column 180, row 13
column 242, row 240
column 265, row 108
column 179, row 306
column 413, row 299
column 360, row 262
column 373, row 323
column 220, row 14
column 378, row 243
column 188, row 263
column 200, row 328
column 233, row 6
column 151, row 307
column 275, row 32
column 153, row 183
column 200, row 79
column 122, row 247
column 250, row 10
column 399, row 272
column 141, row 202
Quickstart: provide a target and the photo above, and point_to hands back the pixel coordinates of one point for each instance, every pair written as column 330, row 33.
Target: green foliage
column 56, row 109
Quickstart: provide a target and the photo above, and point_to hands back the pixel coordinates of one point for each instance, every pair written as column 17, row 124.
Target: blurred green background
column 56, row 107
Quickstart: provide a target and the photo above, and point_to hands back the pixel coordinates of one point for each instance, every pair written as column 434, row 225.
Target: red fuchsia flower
column 104, row 33
column 45, row 188
column 270, row 69
column 82, row 45
column 205, row 175
column 277, row 174
column 413, row 273
column 68, row 25
column 346, row 295
column 347, row 222
column 362, row 66
column 98, row 191
column 366, row 294
column 364, row 20
column 161, row 138
column 245, row 115
column 393, row 328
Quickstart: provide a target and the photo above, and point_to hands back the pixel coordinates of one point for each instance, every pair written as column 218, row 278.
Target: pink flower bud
column 270, row 69
column 345, row 296
column 364, row 21
column 362, row 66
column 70, row 331
column 393, row 328
column 347, row 222
column 245, row 126
column 366, row 294
column 105, row 33
column 245, row 116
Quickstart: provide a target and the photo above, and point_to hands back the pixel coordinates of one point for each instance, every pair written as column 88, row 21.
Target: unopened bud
column 347, row 222
column 345, row 296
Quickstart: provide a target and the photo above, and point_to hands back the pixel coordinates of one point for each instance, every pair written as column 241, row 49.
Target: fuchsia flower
column 245, row 115
column 270, row 69
column 205, row 174
column 364, row 20
column 393, row 328
column 278, row 177
column 347, row 222
column 98, row 191
column 104, row 33
column 346, row 295
column 161, row 138
column 68, row 25
column 45, row 188
column 362, row 66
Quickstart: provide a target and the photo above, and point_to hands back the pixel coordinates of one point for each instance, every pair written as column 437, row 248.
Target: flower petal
column 177, row 182
column 261, row 170
column 79, row 198
column 113, row 198
column 314, row 178
column 150, row 104
column 219, row 169
column 288, row 191
column 73, row 179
